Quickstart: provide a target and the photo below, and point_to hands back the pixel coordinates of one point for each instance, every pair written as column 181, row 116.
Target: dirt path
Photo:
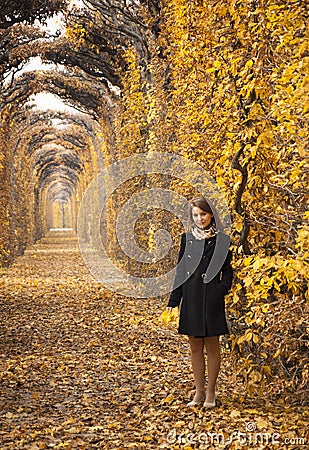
column 82, row 367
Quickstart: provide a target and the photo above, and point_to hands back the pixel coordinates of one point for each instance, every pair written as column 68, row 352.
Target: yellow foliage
column 225, row 84
column 170, row 317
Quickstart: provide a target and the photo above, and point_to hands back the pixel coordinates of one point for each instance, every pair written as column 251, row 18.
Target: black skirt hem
column 212, row 335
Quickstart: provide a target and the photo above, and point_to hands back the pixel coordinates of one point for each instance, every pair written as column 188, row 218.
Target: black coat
column 202, row 311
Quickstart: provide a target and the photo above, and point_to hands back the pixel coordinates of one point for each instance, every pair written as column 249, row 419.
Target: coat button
column 189, row 242
column 189, row 256
column 188, row 273
column 204, row 276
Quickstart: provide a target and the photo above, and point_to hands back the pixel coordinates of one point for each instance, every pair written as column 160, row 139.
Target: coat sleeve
column 176, row 293
column 227, row 273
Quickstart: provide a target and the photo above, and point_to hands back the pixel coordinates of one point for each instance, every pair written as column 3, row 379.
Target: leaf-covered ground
column 85, row 368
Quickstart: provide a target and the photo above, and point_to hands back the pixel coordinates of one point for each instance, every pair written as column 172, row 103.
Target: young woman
column 204, row 276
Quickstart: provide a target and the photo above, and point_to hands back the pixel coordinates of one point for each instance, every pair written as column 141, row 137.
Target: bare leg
column 198, row 367
column 213, row 366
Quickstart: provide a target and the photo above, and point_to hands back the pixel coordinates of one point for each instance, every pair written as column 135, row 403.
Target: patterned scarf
column 200, row 234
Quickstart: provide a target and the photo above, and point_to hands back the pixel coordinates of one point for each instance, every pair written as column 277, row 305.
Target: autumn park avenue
column 84, row 368
column 124, row 127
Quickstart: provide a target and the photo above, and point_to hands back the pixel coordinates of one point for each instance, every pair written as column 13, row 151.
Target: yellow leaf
column 168, row 317
column 235, row 413
column 266, row 369
column 249, row 63
column 261, row 423
column 247, row 261
column 248, row 281
column 168, row 399
column 179, row 424
column 249, row 336
column 238, row 226
column 252, row 411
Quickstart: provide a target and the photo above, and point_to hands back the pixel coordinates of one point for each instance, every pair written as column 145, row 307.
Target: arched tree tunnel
column 55, row 154
column 52, row 155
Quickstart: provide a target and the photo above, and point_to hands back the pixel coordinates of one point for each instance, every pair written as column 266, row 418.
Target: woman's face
column 201, row 218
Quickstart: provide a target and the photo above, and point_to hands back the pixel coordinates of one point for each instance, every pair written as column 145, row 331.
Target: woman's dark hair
column 206, row 206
